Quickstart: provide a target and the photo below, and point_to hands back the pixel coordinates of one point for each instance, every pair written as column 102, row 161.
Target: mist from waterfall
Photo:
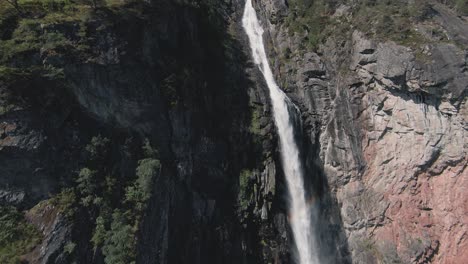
column 299, row 209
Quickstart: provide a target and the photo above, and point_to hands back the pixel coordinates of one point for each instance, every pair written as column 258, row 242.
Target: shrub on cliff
column 86, row 186
column 462, row 7
column 140, row 191
column 120, row 208
column 98, row 148
column 17, row 237
column 308, row 18
column 245, row 195
column 119, row 244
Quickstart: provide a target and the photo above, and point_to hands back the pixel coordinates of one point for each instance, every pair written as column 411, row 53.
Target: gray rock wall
column 389, row 126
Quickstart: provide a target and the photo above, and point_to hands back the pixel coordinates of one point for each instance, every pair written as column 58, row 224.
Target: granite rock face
column 391, row 126
column 412, row 118
column 56, row 230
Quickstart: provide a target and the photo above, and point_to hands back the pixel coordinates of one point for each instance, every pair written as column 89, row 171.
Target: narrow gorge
column 234, row 131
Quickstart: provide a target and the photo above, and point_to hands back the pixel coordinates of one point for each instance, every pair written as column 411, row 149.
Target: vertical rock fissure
column 299, row 209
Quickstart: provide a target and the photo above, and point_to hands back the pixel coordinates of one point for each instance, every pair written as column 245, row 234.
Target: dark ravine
column 384, row 124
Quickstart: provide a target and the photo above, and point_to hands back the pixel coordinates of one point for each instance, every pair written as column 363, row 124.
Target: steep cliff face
column 382, row 133
column 389, row 123
column 81, row 93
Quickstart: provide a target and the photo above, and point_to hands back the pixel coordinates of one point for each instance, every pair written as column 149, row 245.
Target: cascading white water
column 299, row 209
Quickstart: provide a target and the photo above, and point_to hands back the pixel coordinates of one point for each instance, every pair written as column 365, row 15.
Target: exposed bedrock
column 390, row 126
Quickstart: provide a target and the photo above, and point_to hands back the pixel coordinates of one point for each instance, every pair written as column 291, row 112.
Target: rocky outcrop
column 414, row 149
column 38, row 143
column 55, row 227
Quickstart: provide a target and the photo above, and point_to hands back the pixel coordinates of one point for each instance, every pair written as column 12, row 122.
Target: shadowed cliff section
column 167, row 71
column 194, row 220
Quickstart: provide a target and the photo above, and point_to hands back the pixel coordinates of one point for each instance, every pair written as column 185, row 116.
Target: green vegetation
column 119, row 204
column 98, row 148
column 115, row 205
column 87, row 186
column 69, row 248
column 29, row 32
column 140, row 191
column 17, row 237
column 11, row 75
column 309, row 19
column 37, row 37
column 6, row 108
column 99, row 234
column 392, row 20
column 382, row 252
column 380, row 19
column 119, row 244
column 245, row 190
column 169, row 89
column 255, row 125
column 65, row 202
column 462, row 7
column 25, row 38
column 172, row 83
column 368, row 245
column 149, row 151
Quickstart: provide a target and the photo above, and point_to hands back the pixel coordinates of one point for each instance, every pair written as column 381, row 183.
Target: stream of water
column 299, row 209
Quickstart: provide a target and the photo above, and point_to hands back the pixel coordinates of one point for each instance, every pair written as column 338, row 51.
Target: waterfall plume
column 299, row 209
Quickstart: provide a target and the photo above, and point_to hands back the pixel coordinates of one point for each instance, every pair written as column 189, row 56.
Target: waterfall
column 299, row 210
